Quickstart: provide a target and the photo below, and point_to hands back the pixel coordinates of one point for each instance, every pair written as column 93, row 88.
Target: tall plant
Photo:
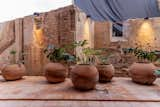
column 86, row 55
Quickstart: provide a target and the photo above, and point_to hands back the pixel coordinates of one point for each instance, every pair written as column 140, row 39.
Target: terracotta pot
column 106, row 72
column 84, row 77
column 143, row 73
column 13, row 72
column 55, row 72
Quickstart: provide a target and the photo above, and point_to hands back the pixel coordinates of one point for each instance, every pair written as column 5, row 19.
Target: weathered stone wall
column 102, row 34
column 136, row 33
column 10, row 39
column 143, row 33
column 65, row 25
column 57, row 28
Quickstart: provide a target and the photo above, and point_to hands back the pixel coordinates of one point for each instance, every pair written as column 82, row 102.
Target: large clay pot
column 55, row 72
column 13, row 72
column 143, row 73
column 84, row 77
column 106, row 72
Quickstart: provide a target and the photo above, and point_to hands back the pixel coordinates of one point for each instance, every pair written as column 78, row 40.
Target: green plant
column 103, row 59
column 86, row 55
column 13, row 57
column 142, row 56
column 13, row 52
column 76, row 44
column 58, row 54
column 89, row 55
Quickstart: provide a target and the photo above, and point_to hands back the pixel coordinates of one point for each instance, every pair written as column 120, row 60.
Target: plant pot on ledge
column 106, row 72
column 142, row 72
column 13, row 72
column 55, row 72
column 84, row 77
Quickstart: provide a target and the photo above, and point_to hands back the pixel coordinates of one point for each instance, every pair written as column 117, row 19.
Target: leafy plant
column 90, row 55
column 13, row 57
column 13, row 52
column 141, row 55
column 58, row 54
column 103, row 59
column 86, row 54
column 77, row 44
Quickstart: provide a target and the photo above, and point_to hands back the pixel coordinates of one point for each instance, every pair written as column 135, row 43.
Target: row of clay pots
column 84, row 77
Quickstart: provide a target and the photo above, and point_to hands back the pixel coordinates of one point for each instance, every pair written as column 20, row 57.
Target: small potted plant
column 84, row 75
column 105, row 69
column 15, row 70
column 55, row 71
column 142, row 71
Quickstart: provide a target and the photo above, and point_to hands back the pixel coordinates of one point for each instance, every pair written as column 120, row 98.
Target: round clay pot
column 13, row 72
column 143, row 73
column 55, row 72
column 106, row 72
column 84, row 77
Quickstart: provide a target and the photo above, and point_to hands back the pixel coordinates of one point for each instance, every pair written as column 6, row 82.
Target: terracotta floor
column 34, row 91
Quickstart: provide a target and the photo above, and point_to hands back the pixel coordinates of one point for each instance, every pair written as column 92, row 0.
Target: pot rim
column 84, row 64
column 141, row 62
column 105, row 64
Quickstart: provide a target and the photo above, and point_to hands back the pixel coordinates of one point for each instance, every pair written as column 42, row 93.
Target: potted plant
column 142, row 71
column 15, row 70
column 84, row 75
column 55, row 71
column 105, row 69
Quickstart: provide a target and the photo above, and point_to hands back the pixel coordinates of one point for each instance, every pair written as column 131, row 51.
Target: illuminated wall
column 84, row 28
column 38, row 33
column 143, row 33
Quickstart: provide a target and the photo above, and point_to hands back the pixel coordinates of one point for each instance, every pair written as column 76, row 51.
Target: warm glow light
column 38, row 37
column 87, row 35
column 146, row 35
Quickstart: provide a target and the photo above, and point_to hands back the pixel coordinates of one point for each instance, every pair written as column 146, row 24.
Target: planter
column 55, row 72
column 143, row 73
column 106, row 72
column 13, row 72
column 84, row 77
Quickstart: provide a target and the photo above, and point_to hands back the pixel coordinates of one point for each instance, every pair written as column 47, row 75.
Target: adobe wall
column 57, row 28
column 68, row 24
column 10, row 39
